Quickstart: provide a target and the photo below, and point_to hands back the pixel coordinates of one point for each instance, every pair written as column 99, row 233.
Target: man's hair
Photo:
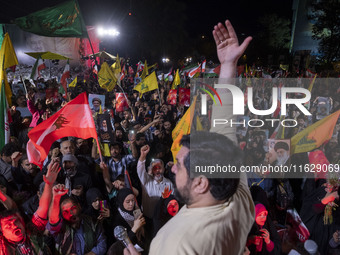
column 9, row 149
column 116, row 144
column 139, row 136
column 207, row 148
column 70, row 199
column 157, row 160
column 8, row 213
column 24, row 157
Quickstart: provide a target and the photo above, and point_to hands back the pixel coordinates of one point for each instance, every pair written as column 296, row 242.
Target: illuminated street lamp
column 165, row 60
column 112, row 32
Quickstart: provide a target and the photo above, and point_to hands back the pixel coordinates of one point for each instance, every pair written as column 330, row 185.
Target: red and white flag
column 122, row 74
column 140, row 67
column 38, row 66
column 74, row 119
column 66, row 74
column 203, row 65
column 131, row 72
column 194, row 71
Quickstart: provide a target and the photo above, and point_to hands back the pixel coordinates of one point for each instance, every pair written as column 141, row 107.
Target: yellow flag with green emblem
column 73, row 83
column 148, row 84
column 182, row 128
column 106, row 77
column 176, row 81
column 315, row 135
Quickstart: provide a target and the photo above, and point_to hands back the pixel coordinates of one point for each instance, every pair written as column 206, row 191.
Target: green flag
column 63, row 20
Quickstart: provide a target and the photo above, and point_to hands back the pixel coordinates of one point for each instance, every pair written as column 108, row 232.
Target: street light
column 165, row 60
column 113, row 32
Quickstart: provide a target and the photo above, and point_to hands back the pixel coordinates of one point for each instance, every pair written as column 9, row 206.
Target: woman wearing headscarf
column 124, row 216
column 100, row 213
column 263, row 237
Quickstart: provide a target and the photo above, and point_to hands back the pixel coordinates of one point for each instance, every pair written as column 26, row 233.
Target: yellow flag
column 312, row 84
column 8, row 58
column 182, row 128
column 176, row 81
column 106, row 77
column 148, row 84
column 315, row 135
column 116, row 68
column 73, row 83
column 145, row 71
column 152, row 66
column 199, row 126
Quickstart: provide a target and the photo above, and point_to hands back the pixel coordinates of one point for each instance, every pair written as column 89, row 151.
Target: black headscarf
column 122, row 194
column 92, row 194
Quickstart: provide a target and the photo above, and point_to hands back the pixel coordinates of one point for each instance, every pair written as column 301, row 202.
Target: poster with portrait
column 172, row 97
column 184, row 97
column 96, row 102
column 18, row 89
column 121, row 102
column 279, row 151
column 323, row 107
column 104, row 130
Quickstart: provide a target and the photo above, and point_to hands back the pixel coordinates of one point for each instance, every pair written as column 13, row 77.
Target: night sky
column 199, row 18
column 201, row 15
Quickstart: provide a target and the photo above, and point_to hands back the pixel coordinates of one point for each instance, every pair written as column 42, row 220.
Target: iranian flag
column 203, row 65
column 194, row 71
column 66, row 74
column 74, row 119
column 38, row 66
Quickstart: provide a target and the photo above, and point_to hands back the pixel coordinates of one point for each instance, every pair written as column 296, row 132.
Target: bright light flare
column 107, row 32
column 165, row 60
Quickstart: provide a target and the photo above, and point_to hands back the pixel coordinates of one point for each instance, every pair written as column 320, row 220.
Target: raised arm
column 54, row 212
column 106, row 177
column 46, row 197
column 228, row 48
column 142, row 174
column 7, row 202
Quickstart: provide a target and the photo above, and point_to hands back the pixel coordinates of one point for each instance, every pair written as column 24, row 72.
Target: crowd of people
column 73, row 204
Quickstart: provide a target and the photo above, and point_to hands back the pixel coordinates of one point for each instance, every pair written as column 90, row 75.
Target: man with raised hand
column 218, row 212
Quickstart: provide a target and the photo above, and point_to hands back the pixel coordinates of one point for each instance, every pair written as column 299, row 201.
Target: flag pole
column 99, row 150
column 123, row 91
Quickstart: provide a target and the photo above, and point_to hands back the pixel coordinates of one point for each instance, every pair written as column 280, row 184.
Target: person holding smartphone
column 128, row 216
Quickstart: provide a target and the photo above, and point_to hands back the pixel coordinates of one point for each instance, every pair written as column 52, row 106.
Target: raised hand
column 144, row 151
column 52, row 173
column 59, row 190
column 228, row 48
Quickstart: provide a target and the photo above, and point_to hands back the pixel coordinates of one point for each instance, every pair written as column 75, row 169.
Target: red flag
column 172, row 97
column 131, row 72
column 298, row 226
column 74, row 119
column 121, row 103
column 122, row 74
column 184, row 97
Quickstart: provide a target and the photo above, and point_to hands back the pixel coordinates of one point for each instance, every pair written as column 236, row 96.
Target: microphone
column 120, row 233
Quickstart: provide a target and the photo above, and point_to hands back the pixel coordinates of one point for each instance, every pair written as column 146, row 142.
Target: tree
column 325, row 14
column 276, row 31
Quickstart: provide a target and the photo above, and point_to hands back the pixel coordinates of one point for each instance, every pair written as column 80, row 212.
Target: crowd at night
column 99, row 158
